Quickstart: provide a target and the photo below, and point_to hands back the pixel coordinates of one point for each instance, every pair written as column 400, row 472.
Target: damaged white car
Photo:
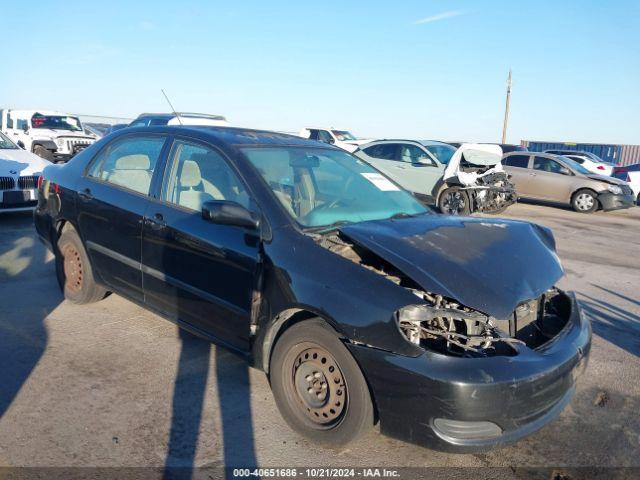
column 474, row 181
column 458, row 181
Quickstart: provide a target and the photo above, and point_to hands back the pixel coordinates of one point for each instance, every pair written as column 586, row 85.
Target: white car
column 54, row 136
column 19, row 173
column 588, row 160
column 340, row 138
column 631, row 175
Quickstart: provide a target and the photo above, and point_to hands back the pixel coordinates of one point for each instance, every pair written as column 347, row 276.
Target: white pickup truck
column 340, row 138
column 54, row 136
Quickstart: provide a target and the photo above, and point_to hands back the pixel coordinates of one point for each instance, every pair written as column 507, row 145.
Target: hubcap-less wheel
column 453, row 203
column 584, row 201
column 319, row 386
column 73, row 270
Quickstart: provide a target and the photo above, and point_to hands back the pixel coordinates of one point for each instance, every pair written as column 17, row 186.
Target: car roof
column 169, row 116
column 235, row 136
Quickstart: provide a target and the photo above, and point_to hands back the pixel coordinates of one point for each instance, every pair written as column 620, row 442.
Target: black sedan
column 359, row 304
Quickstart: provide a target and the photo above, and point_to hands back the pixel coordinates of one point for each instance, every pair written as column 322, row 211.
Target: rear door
column 113, row 196
column 547, row 181
column 518, row 167
column 196, row 271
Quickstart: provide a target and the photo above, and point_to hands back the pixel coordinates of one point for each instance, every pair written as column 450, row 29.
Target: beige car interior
column 131, row 171
column 205, row 177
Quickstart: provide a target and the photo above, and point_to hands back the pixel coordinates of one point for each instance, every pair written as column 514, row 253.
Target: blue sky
column 415, row 69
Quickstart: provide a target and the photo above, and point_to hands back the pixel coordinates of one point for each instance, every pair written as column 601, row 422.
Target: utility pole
column 506, row 110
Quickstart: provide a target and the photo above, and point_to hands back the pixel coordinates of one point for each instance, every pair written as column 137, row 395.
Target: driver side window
column 199, row 174
column 412, row 154
column 546, row 165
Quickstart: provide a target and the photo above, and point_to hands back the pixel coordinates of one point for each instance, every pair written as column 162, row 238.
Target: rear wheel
column 584, row 201
column 43, row 152
column 73, row 270
column 318, row 387
column 454, row 201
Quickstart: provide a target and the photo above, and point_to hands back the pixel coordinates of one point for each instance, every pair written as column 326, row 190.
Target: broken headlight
column 451, row 328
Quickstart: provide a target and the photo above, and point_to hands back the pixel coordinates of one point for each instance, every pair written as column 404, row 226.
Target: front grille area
column 7, row 183
column 28, row 183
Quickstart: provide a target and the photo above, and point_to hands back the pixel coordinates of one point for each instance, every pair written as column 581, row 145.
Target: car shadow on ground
column 615, row 324
column 26, row 281
column 233, row 390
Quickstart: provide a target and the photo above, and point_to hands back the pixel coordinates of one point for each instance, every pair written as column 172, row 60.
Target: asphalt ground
column 112, row 385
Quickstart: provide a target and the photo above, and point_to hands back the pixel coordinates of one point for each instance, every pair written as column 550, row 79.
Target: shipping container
column 617, row 154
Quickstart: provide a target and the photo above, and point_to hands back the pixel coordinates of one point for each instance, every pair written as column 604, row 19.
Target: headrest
column 190, row 175
column 133, row 162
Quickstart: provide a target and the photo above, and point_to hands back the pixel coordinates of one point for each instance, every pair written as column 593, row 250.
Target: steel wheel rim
column 319, row 387
column 73, row 269
column 584, row 201
column 453, row 203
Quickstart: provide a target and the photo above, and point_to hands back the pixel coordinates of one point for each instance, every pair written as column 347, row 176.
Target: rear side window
column 384, row 151
column 521, row 161
column 199, row 174
column 580, row 160
column 128, row 162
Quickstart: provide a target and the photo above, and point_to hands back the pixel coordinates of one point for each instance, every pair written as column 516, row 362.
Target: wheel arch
column 280, row 323
column 575, row 192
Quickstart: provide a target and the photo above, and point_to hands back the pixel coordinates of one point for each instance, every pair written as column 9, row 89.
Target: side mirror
column 229, row 213
column 21, row 144
column 332, row 140
column 565, row 171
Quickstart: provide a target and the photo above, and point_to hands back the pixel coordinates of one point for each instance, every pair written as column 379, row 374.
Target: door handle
column 157, row 222
column 85, row 194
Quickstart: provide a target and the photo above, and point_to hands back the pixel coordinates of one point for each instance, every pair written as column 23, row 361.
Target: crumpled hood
column 606, row 179
column 20, row 161
column 489, row 265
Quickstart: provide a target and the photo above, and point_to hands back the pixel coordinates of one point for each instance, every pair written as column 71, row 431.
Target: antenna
column 173, row 109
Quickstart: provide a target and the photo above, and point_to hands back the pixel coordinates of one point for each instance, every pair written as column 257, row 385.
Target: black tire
column 326, row 399
column 73, row 270
column 454, row 201
column 585, row 201
column 43, row 152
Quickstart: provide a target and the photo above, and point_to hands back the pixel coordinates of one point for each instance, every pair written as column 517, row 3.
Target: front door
column 547, row 181
column 112, row 200
column 196, row 271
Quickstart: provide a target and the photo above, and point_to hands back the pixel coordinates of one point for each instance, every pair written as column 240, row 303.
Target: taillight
column 600, row 167
column 39, row 184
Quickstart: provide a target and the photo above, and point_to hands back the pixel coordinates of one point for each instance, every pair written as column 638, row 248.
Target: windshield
column 5, row 143
column 343, row 135
column 320, row 187
column 56, row 122
column 443, row 153
column 575, row 166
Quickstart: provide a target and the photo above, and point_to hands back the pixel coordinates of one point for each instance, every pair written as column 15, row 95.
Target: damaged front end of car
column 445, row 326
column 475, row 178
column 501, row 345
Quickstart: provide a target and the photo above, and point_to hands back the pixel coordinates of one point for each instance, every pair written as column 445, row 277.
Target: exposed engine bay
column 443, row 325
column 475, row 173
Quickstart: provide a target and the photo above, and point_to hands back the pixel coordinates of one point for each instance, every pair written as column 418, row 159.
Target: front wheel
column 454, row 201
column 318, row 387
column 584, row 201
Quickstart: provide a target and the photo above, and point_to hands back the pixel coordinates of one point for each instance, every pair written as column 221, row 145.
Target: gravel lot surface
column 110, row 384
